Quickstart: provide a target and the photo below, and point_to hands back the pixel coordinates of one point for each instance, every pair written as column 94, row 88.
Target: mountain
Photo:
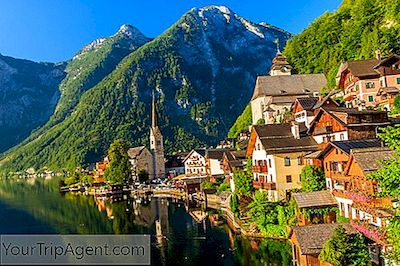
column 28, row 95
column 203, row 70
column 355, row 31
column 93, row 63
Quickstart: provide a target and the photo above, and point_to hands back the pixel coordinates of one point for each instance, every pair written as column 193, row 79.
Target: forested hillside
column 355, row 31
column 202, row 69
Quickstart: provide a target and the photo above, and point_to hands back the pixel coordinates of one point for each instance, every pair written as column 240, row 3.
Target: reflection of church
column 152, row 161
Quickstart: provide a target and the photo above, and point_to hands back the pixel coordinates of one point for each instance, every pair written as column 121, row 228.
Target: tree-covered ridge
column 93, row 63
column 242, row 122
column 203, row 73
column 29, row 94
column 355, row 31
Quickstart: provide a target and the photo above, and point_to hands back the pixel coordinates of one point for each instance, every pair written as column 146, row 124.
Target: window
column 158, row 143
column 398, row 80
column 370, row 85
column 299, row 177
column 269, row 163
column 287, row 161
column 370, row 98
column 350, row 78
column 337, row 151
column 288, row 179
column 299, row 160
column 326, row 166
column 395, row 66
column 341, row 136
column 258, row 146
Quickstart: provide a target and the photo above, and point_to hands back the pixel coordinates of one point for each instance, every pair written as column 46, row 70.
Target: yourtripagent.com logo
column 75, row 249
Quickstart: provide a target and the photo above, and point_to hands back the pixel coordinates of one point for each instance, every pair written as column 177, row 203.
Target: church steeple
column 156, row 143
column 154, row 122
column 280, row 66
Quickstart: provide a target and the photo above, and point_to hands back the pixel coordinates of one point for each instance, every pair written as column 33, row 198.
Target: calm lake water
column 36, row 207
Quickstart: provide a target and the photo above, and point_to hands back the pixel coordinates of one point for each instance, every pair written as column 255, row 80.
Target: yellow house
column 277, row 153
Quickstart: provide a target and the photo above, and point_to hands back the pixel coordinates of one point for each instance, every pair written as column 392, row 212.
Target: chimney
column 295, row 130
column 378, row 55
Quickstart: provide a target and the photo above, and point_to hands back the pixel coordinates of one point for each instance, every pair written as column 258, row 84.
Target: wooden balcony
column 259, row 169
column 350, row 94
column 370, row 231
column 264, row 185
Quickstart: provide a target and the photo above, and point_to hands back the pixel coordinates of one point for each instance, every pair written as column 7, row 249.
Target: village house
column 335, row 157
column 304, row 109
column 98, row 173
column 346, row 124
column 358, row 201
column 274, row 95
column 277, row 153
column 214, row 162
column 232, row 161
column 174, row 165
column 196, row 163
column 307, row 202
column 141, row 159
column 307, row 242
column 361, row 80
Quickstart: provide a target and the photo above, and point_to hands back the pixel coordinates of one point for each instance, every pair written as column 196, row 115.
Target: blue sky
column 54, row 30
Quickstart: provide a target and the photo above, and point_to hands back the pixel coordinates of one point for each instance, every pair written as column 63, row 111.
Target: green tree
column 312, row 178
column 119, row 169
column 241, row 123
column 345, row 249
column 243, row 182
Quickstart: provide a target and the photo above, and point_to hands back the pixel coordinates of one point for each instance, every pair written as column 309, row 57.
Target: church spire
column 154, row 122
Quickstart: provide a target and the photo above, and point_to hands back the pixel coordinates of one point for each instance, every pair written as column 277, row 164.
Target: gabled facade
column 361, row 81
column 196, row 163
column 346, row 124
column 274, row 95
column 140, row 159
column 304, row 109
column 277, row 153
column 214, row 162
column 335, row 158
column 357, row 198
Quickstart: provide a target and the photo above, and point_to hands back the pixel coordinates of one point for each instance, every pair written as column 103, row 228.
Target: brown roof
column 314, row 199
column 388, row 90
column 215, row 153
column 280, row 61
column 236, row 158
column 347, row 145
column 289, row 144
column 369, row 159
column 134, row 152
column 273, row 130
column 388, row 60
column 288, row 85
column 360, row 68
column 311, row 238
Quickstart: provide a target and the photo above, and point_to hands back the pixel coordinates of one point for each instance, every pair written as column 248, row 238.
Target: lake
column 180, row 237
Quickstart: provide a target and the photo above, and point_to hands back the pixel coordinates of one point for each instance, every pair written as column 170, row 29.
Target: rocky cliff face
column 28, row 95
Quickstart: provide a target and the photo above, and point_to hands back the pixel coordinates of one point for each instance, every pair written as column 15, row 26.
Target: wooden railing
column 264, row 185
column 259, row 169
